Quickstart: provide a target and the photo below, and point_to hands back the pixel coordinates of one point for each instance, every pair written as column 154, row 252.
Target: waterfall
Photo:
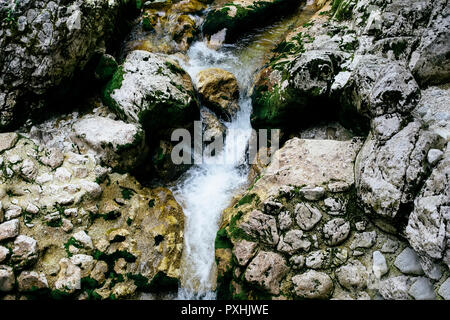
column 206, row 189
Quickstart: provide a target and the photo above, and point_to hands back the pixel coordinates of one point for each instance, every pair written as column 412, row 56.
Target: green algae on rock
column 152, row 90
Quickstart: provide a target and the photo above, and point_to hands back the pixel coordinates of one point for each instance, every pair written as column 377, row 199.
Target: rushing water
column 207, row 189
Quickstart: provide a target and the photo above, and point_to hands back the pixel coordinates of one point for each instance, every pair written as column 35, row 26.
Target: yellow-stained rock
column 219, row 90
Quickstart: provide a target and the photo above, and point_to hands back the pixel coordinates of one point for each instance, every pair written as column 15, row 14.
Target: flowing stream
column 207, row 189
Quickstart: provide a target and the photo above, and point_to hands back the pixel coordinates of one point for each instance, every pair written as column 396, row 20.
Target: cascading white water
column 206, row 189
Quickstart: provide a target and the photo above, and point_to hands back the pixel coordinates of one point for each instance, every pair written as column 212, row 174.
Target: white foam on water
column 207, row 189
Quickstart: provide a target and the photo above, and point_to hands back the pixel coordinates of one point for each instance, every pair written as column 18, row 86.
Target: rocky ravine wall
column 73, row 222
column 44, row 44
column 349, row 219
column 71, row 229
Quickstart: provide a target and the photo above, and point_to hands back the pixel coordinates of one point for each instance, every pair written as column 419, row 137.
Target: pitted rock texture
column 116, row 143
column 43, row 44
column 82, row 232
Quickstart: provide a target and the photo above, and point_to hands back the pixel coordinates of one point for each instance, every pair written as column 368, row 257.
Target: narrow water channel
column 207, row 189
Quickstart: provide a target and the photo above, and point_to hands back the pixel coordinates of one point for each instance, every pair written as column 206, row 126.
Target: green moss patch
column 276, row 107
column 342, row 9
column 106, row 67
column 127, row 193
column 248, row 198
column 72, row 242
column 113, row 84
column 246, row 18
column 222, row 241
column 159, row 284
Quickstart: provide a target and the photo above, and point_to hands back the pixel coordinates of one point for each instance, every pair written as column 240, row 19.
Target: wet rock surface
column 220, row 91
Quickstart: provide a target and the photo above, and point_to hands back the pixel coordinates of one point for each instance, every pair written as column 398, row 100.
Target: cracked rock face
column 428, row 223
column 76, row 220
column 261, row 226
column 116, row 143
column 327, row 162
column 378, row 86
column 45, row 43
column 430, row 62
column 377, row 64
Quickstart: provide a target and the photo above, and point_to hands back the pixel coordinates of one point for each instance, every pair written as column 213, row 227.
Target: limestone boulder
column 310, row 162
column 219, row 91
column 115, row 143
column 44, row 44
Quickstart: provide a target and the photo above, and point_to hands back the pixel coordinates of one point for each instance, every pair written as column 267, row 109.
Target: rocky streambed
column 354, row 205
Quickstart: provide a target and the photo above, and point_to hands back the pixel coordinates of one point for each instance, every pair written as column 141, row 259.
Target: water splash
column 206, row 190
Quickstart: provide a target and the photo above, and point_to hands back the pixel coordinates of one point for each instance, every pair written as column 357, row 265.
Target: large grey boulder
column 43, row 44
column 405, row 17
column 152, row 90
column 427, row 228
column 378, row 86
column 387, row 174
column 326, row 163
column 292, row 90
column 430, row 61
column 116, row 143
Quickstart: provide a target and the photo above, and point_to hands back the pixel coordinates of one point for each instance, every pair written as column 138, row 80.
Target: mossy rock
column 276, row 108
column 163, row 283
column 238, row 19
column 343, row 9
column 162, row 92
